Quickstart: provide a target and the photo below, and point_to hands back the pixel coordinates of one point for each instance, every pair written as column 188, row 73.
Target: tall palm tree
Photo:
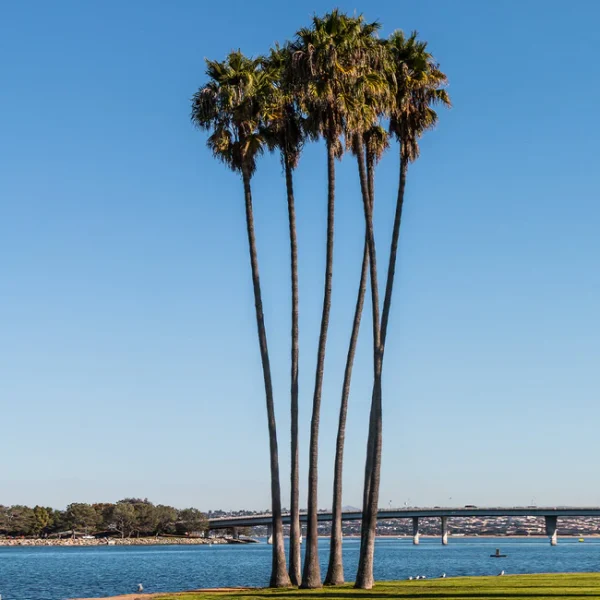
column 358, row 140
column 284, row 132
column 420, row 86
column 371, row 94
column 324, row 64
column 375, row 143
column 416, row 81
column 369, row 99
column 230, row 106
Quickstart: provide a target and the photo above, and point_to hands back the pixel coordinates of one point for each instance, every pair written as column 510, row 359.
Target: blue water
column 60, row 573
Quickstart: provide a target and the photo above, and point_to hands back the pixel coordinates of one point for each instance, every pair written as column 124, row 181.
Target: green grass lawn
column 514, row 587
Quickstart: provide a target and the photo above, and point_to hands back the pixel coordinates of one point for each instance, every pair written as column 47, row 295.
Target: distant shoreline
column 167, row 541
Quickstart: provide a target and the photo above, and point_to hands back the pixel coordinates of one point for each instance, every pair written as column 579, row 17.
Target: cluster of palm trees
column 336, row 81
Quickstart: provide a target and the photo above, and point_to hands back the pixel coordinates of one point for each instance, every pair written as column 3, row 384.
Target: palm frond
column 419, row 85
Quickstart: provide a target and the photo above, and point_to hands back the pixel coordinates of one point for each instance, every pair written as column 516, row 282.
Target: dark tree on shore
column 123, row 518
column 166, row 517
column 81, row 517
column 191, row 521
column 17, row 520
column 43, row 520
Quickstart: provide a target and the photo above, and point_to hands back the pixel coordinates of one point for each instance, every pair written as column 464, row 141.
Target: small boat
column 498, row 555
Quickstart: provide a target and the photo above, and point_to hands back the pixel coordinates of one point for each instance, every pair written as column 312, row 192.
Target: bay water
column 58, row 573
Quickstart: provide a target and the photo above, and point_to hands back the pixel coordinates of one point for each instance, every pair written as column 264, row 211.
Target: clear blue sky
column 128, row 355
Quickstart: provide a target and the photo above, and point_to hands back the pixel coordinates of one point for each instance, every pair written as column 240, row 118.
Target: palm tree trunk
column 364, row 576
column 295, row 569
column 366, row 561
column 311, row 576
column 369, row 459
column 335, row 571
column 389, row 286
column 279, row 575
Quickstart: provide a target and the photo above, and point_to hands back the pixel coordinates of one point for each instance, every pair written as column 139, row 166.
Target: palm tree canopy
column 377, row 141
column 283, row 123
column 230, row 105
column 327, row 60
column 419, row 85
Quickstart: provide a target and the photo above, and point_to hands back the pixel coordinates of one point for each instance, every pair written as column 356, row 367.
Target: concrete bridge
column 550, row 514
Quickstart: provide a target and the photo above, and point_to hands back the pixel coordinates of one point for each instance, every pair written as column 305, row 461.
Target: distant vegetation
column 128, row 517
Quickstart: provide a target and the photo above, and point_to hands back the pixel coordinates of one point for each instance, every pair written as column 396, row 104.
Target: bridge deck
column 408, row 513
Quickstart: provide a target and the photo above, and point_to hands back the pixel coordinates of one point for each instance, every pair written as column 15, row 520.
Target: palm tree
column 369, row 98
column 284, row 132
column 420, row 85
column 230, row 106
column 358, row 140
column 335, row 570
column 375, row 142
column 324, row 58
column 371, row 94
column 416, row 81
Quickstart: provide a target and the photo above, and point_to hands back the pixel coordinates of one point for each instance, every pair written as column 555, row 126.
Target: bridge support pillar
column 235, row 533
column 416, row 533
column 206, row 534
column 445, row 531
column 552, row 529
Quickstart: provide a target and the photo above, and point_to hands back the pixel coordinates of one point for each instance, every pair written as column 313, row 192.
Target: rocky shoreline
column 153, row 541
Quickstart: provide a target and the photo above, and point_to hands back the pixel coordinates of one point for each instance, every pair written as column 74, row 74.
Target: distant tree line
column 130, row 517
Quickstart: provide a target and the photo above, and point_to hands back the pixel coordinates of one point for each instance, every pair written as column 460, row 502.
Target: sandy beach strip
column 142, row 596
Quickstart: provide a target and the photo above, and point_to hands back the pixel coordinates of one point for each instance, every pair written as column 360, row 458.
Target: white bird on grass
column 418, row 577
column 501, row 573
column 443, row 575
column 140, row 587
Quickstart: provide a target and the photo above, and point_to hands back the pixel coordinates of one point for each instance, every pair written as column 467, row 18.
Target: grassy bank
column 515, row 587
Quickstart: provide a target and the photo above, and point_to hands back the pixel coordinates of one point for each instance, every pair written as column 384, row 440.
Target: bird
column 423, row 576
column 410, row 578
column 443, row 575
column 418, row 577
column 501, row 573
column 140, row 587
